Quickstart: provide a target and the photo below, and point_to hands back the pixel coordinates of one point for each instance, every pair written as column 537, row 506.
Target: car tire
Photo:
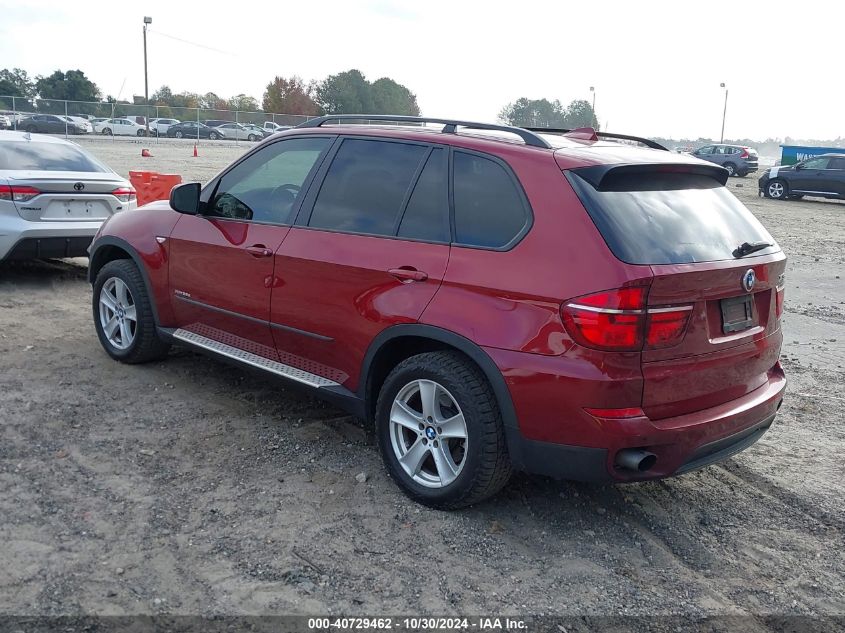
column 178, row 134
column 473, row 460
column 796, row 197
column 252, row 137
column 742, row 174
column 140, row 132
column 731, row 169
column 120, row 283
column 106, row 131
column 777, row 189
column 214, row 136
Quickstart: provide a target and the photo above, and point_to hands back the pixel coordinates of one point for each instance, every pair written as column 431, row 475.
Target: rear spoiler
column 589, row 134
column 608, row 177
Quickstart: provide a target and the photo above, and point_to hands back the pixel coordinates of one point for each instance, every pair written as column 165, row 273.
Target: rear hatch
column 68, row 196
column 721, row 300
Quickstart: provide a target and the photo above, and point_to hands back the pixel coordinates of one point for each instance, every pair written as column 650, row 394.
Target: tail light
column 779, row 296
column 618, row 320
column 745, row 153
column 124, row 194
column 16, row 193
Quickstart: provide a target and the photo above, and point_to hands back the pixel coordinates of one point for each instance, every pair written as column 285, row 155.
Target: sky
column 656, row 65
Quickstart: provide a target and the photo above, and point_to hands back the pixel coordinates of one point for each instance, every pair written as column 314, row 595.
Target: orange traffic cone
column 195, row 150
column 145, row 153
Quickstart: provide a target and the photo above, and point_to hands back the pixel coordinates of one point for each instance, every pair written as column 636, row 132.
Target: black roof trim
column 623, row 137
column 449, row 125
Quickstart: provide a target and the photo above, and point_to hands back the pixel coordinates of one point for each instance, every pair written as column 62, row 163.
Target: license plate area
column 737, row 313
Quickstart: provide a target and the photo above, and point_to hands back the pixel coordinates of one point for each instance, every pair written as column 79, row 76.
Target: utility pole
column 724, row 112
column 593, row 90
column 147, row 20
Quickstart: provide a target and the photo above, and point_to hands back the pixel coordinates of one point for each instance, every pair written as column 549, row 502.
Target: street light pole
column 147, row 20
column 724, row 112
column 593, row 90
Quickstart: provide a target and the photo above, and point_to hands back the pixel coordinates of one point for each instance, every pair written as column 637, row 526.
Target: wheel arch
column 107, row 249
column 399, row 342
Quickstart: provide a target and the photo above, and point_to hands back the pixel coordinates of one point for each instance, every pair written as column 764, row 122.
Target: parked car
column 83, row 124
column 53, row 197
column 120, row 127
column 215, row 122
column 48, row 124
column 262, row 133
column 5, row 122
column 273, row 127
column 159, row 127
column 737, row 159
column 822, row 176
column 485, row 304
column 236, row 131
column 96, row 120
column 192, row 129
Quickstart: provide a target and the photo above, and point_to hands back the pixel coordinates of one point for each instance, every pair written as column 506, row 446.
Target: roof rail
column 449, row 125
column 624, row 137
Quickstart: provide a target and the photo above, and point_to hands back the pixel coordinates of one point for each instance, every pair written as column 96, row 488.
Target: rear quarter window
column 669, row 218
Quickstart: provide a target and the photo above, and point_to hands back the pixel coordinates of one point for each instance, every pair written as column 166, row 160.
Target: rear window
column 669, row 218
column 27, row 155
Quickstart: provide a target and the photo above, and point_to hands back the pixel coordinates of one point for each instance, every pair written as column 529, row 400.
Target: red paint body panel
column 336, row 285
column 211, row 265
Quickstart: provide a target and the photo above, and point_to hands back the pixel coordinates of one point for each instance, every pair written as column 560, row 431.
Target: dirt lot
column 190, row 486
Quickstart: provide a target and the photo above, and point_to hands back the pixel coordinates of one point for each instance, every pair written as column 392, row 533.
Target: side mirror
column 186, row 198
column 799, row 165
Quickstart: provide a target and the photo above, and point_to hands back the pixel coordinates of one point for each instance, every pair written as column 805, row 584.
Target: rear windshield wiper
column 746, row 248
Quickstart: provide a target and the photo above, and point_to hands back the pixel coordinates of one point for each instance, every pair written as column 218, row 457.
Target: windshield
column 669, row 218
column 29, row 156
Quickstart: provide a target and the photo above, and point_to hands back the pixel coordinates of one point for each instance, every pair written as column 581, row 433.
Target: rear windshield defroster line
column 668, row 218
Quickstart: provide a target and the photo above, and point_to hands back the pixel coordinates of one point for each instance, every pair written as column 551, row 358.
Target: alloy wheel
column 118, row 315
column 776, row 190
column 428, row 433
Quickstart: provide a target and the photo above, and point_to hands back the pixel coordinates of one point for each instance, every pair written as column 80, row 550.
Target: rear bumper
column 681, row 444
column 20, row 239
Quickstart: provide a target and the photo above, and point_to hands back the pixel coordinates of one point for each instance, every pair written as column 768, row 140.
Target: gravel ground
column 190, row 486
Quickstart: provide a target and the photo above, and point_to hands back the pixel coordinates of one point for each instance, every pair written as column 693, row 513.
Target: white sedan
column 120, row 127
column 236, row 131
column 159, row 126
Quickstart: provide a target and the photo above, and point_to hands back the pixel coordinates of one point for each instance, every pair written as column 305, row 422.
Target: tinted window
column 427, row 214
column 669, row 218
column 265, row 186
column 836, row 163
column 365, row 186
column 489, row 210
column 708, row 149
column 46, row 157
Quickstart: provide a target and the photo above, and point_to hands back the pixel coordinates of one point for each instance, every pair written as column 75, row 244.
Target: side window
column 707, row 149
column 816, row 163
column 489, row 210
column 265, row 186
column 427, row 215
column 365, row 186
column 837, row 163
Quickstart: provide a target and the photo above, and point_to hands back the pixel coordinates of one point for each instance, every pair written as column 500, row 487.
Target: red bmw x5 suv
column 489, row 298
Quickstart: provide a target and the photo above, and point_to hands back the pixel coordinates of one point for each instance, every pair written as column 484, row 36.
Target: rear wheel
column 731, row 168
column 123, row 314
column 214, row 136
column 107, row 131
column 140, row 132
column 440, row 431
column 252, row 137
column 178, row 134
column 776, row 189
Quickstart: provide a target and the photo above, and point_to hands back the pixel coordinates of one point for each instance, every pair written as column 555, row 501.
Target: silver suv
column 737, row 159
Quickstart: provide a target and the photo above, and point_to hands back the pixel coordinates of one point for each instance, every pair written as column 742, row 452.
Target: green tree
column 389, row 97
column 15, row 83
column 71, row 86
column 544, row 113
column 290, row 96
column 345, row 93
column 243, row 103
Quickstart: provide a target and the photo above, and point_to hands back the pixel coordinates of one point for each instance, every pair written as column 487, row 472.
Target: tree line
column 526, row 112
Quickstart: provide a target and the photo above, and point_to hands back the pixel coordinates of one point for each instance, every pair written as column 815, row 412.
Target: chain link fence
column 73, row 118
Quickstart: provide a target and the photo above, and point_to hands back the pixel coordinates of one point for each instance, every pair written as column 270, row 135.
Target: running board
column 254, row 360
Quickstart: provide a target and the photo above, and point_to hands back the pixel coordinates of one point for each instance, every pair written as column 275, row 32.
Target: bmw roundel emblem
column 748, row 280
column 430, row 433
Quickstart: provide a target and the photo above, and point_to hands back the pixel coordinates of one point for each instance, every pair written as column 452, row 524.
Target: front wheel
column 123, row 314
column 252, row 137
column 776, row 189
column 440, row 431
column 214, row 136
column 140, row 132
column 178, row 134
column 106, row 131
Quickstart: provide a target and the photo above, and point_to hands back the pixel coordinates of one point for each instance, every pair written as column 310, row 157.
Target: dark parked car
column 48, row 124
column 489, row 298
column 822, row 176
column 737, row 159
column 192, row 129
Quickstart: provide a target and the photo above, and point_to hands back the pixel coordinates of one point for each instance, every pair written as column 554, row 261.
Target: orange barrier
column 151, row 186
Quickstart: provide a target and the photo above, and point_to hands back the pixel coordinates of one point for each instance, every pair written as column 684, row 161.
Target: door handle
column 407, row 274
column 258, row 250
